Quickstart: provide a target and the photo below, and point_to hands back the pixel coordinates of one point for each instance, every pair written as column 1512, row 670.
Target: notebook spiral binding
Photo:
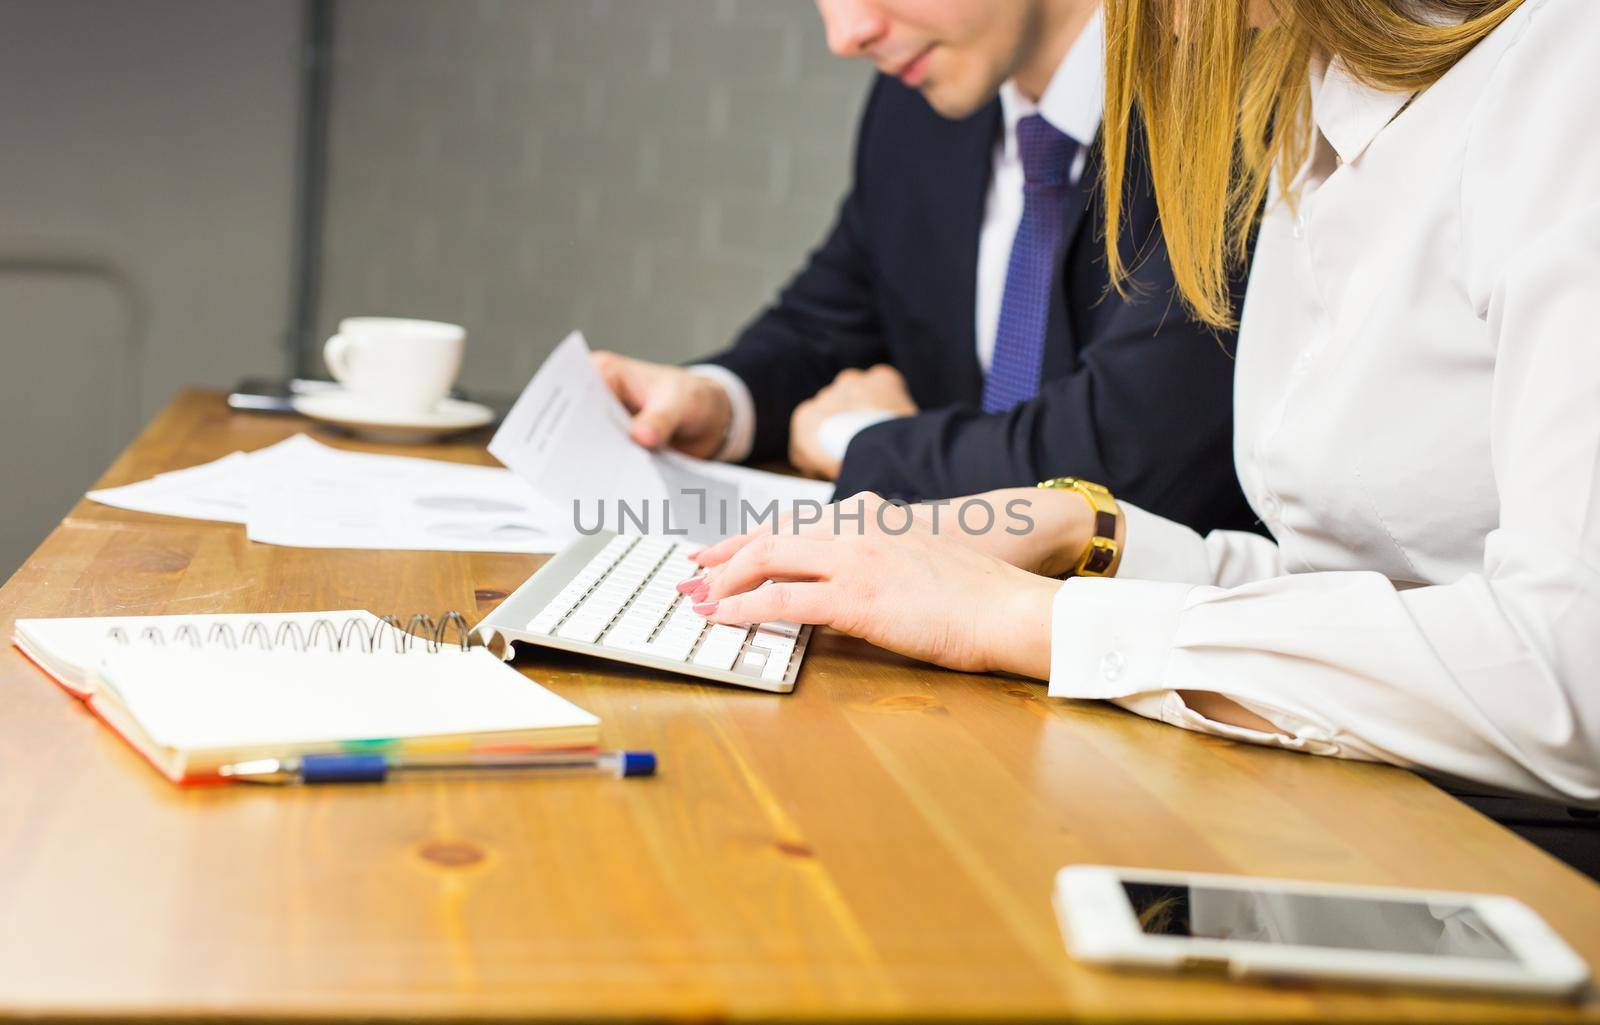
column 352, row 634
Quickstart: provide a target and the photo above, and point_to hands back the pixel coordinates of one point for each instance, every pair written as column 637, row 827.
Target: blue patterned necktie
column 1025, row 305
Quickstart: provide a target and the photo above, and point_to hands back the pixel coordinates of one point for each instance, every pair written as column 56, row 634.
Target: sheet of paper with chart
column 328, row 498
column 567, row 436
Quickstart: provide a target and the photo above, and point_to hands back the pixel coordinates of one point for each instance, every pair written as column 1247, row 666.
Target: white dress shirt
column 1417, row 421
column 1073, row 103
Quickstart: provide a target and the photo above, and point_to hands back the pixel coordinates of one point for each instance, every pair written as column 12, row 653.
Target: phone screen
column 1314, row 920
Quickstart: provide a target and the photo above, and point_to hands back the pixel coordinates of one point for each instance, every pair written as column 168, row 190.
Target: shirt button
column 1300, row 226
column 1270, row 508
column 1112, row 665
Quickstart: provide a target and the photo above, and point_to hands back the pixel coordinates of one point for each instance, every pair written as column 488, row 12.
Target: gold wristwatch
column 1102, row 555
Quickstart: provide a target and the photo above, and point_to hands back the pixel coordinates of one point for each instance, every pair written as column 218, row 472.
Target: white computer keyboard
column 616, row 597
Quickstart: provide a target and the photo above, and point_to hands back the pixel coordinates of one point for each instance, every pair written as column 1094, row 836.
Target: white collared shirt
column 1417, row 421
column 1073, row 103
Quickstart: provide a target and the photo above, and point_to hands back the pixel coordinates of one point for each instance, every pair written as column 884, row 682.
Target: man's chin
column 952, row 101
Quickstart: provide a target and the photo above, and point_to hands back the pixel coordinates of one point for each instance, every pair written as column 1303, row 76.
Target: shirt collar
column 1349, row 113
column 1075, row 100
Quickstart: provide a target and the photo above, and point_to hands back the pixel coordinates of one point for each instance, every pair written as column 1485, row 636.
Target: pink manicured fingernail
column 706, row 608
column 691, row 585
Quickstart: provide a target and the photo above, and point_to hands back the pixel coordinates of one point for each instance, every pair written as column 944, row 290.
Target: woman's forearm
column 1018, row 627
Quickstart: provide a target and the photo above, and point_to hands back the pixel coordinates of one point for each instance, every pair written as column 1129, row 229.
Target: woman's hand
column 1041, row 530
column 931, row 595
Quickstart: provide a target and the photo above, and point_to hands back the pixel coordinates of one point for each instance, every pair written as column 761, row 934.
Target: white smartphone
column 1256, row 928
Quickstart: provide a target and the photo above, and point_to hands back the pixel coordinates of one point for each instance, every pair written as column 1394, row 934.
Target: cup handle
column 336, row 354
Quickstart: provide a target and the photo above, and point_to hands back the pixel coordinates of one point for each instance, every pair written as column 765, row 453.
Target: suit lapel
column 1061, row 343
column 964, row 191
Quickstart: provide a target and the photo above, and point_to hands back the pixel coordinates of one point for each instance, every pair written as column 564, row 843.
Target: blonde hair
column 1225, row 105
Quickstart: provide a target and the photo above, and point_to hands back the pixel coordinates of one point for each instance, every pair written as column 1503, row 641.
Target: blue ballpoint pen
column 374, row 768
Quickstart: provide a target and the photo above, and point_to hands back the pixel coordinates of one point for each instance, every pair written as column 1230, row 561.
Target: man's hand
column 880, row 389
column 670, row 406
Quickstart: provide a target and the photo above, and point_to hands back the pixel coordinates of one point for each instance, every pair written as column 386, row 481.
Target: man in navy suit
column 956, row 332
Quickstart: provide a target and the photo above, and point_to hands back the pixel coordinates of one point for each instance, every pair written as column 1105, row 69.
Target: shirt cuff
column 741, row 437
column 1111, row 637
column 1114, row 639
column 1156, row 548
column 836, row 432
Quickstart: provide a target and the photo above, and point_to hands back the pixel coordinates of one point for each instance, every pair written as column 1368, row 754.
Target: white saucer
column 344, row 409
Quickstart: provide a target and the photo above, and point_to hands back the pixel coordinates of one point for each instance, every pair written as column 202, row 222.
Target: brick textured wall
column 647, row 170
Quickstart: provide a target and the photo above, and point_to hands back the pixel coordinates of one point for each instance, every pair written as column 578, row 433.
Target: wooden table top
column 879, row 844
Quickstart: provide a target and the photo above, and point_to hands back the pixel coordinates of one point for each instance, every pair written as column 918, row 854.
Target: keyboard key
column 627, row 642
column 777, row 668
column 716, row 656
column 587, row 631
column 566, row 600
column 777, row 647
column 630, row 620
column 720, row 647
column 690, row 631
column 674, row 645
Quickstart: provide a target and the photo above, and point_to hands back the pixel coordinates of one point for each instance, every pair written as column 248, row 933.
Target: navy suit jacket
column 1133, row 394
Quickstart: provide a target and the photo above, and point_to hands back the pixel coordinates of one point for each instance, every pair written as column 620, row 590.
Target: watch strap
column 1102, row 554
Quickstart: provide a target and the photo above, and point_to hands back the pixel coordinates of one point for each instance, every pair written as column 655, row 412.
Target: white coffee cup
column 394, row 364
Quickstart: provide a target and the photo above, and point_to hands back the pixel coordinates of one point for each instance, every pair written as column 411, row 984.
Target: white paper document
column 308, row 495
column 328, row 498
column 211, row 491
column 567, row 436
column 218, row 490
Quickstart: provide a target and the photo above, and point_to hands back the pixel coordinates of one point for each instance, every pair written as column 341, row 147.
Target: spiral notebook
column 195, row 693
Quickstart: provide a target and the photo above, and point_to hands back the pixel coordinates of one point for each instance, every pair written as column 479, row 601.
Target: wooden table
column 879, row 844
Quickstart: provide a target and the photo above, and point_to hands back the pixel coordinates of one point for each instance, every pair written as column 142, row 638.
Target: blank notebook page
column 199, row 699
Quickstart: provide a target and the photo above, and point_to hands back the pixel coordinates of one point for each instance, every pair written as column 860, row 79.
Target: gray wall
column 146, row 183
column 646, row 170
